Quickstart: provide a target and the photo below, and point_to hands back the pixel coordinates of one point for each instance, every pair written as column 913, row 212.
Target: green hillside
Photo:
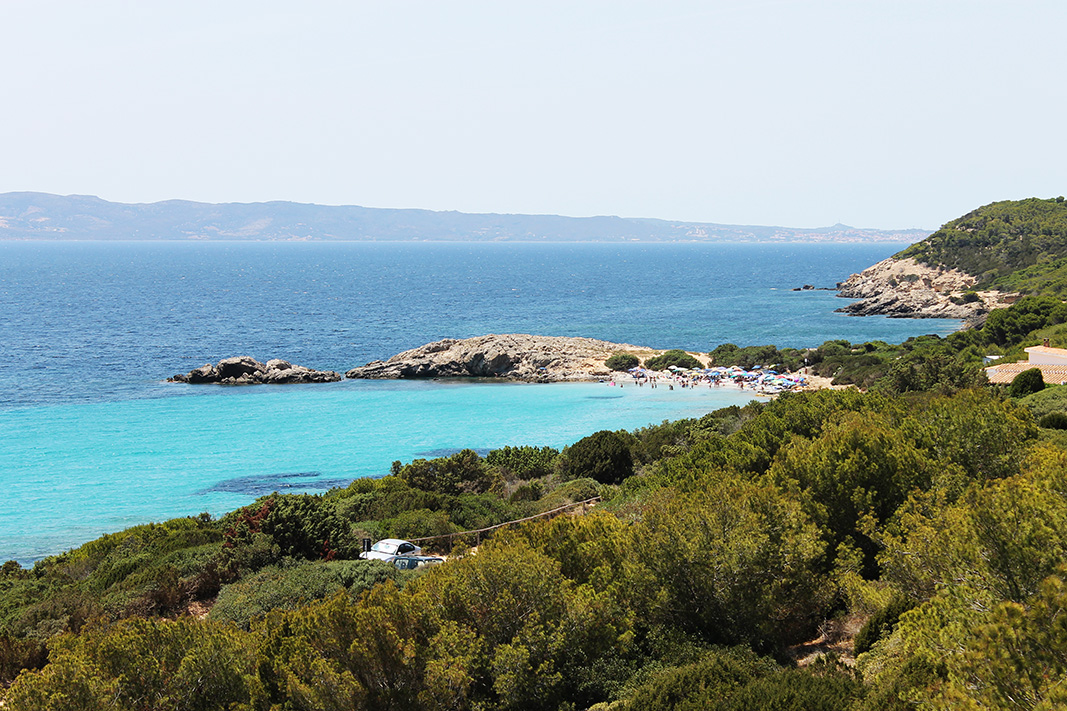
column 1016, row 245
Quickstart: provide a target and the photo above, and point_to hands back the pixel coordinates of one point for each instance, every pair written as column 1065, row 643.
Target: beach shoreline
column 550, row 359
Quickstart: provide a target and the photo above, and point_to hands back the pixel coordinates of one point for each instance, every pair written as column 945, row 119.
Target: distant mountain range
column 42, row 216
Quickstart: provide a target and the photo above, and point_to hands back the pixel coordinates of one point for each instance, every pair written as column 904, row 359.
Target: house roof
column 1007, row 372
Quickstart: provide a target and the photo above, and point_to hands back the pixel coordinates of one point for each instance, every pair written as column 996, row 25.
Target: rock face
column 904, row 288
column 245, row 370
column 510, row 356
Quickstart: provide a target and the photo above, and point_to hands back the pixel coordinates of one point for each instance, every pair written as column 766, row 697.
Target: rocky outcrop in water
column 905, row 288
column 245, row 370
column 509, row 356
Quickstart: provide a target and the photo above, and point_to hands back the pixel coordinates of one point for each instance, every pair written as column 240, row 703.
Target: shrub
column 1026, row 383
column 881, row 624
column 604, row 456
column 1054, row 421
column 463, row 472
column 522, row 462
column 421, row 523
column 796, row 690
column 290, row 586
column 622, row 361
column 675, row 357
column 572, row 492
column 273, row 588
column 703, row 684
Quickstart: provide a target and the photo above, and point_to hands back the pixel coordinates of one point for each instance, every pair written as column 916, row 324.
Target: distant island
column 42, row 216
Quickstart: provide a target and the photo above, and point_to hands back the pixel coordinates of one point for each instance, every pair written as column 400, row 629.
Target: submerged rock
column 508, row 356
column 245, row 370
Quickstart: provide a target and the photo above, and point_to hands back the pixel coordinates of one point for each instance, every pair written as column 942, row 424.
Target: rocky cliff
column 905, row 288
column 245, row 370
column 509, row 356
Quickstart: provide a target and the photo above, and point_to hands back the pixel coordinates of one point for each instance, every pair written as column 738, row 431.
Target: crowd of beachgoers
column 760, row 380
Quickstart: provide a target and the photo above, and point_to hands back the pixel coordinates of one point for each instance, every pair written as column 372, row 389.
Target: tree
column 1026, row 383
column 675, row 357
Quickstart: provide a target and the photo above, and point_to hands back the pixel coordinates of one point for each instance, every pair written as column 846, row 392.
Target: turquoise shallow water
column 80, row 470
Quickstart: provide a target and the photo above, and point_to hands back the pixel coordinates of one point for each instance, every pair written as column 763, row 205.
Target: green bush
column 273, row 588
column 287, row 587
column 622, row 361
column 1052, row 399
column 672, row 357
column 703, row 684
column 751, row 356
column 572, row 492
column 795, row 690
column 522, row 462
column 420, row 523
column 463, row 472
column 1054, row 421
column 604, row 456
column 880, row 624
column 1026, row 383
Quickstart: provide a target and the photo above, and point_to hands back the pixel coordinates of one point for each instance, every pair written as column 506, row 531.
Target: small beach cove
column 92, row 440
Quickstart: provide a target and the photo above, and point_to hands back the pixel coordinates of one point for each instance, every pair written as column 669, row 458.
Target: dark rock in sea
column 245, row 370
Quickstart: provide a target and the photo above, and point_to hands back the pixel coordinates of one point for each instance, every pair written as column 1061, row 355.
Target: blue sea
column 92, row 440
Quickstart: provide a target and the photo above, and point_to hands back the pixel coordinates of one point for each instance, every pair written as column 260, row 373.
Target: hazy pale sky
column 875, row 113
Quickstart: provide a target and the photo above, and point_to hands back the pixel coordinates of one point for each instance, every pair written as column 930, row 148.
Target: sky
column 874, row 113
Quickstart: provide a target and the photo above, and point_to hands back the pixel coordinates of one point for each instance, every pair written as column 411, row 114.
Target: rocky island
column 245, row 370
column 521, row 357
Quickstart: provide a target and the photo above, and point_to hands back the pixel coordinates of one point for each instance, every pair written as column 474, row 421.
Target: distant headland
column 42, row 216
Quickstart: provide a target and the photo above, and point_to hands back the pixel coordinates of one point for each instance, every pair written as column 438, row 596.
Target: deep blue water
column 92, row 440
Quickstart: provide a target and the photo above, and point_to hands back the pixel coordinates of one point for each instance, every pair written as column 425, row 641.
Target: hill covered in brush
column 1012, row 245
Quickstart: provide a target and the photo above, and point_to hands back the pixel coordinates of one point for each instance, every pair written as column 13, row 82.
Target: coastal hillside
column 41, row 216
column 1013, row 245
column 972, row 265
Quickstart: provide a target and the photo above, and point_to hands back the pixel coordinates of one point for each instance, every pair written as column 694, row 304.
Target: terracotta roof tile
column 1006, row 373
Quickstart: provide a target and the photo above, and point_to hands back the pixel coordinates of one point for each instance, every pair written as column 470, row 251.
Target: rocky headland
column 521, row 357
column 245, row 370
column 905, row 288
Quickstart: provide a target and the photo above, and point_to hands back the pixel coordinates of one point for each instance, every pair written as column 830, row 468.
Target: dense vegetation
column 622, row 361
column 726, row 541
column 922, row 363
column 1017, row 245
column 675, row 357
column 916, row 531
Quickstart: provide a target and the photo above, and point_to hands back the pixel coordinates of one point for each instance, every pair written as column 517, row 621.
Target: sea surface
column 92, row 440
